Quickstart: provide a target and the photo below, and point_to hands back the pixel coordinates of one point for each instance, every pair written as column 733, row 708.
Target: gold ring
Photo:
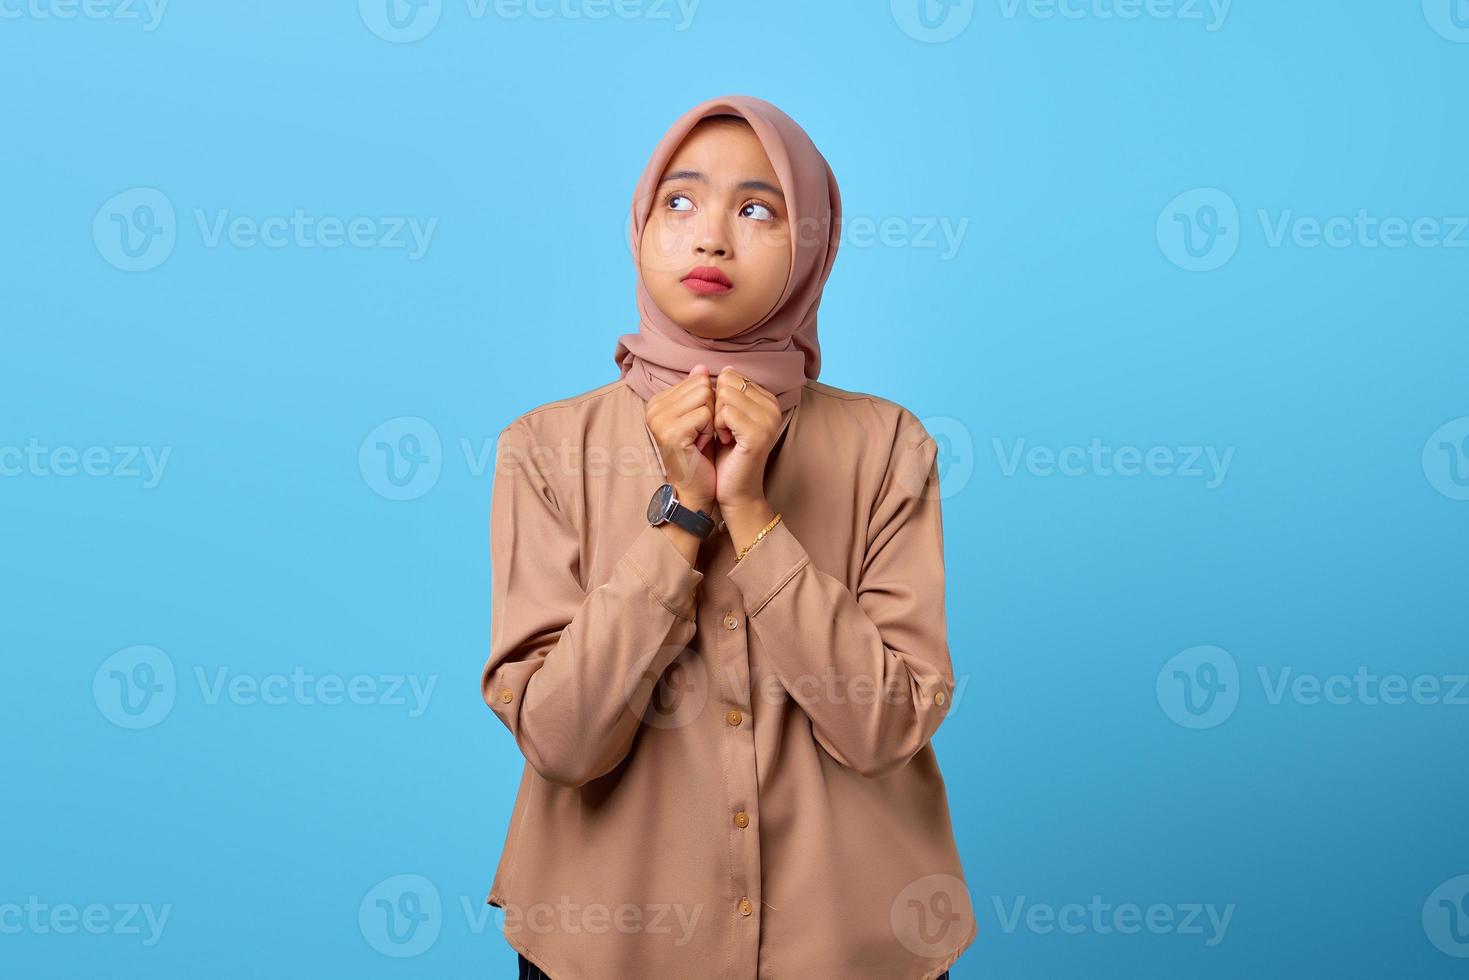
column 744, row 383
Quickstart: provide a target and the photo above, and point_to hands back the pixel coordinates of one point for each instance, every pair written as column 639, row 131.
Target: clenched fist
column 681, row 419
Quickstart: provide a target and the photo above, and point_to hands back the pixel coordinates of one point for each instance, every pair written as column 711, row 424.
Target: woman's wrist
column 691, row 498
column 693, row 501
column 745, row 521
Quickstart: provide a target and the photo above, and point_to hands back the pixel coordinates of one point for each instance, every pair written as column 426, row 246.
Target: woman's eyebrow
column 744, row 185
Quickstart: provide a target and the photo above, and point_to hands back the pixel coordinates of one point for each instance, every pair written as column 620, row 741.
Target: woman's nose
column 714, row 238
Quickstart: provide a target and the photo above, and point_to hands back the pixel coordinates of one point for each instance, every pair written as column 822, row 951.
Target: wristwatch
column 664, row 507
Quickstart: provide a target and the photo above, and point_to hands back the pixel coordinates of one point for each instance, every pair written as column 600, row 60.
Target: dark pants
column 529, row 971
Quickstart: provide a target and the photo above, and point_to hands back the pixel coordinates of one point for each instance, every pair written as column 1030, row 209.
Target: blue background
column 1333, row 543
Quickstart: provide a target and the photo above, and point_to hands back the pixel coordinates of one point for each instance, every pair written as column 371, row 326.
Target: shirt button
column 730, row 621
column 733, row 716
column 742, row 819
column 940, row 698
column 506, row 695
column 745, row 907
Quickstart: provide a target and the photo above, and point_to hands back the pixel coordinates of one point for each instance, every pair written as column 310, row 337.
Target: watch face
column 658, row 506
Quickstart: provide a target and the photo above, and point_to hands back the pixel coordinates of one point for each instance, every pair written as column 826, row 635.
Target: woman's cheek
column 664, row 247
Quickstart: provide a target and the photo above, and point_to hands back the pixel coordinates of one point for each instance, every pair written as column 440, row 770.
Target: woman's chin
column 706, row 327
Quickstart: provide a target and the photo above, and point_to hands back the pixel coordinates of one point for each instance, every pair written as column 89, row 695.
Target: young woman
column 718, row 628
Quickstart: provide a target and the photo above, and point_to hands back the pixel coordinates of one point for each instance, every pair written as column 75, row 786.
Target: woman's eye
column 757, row 211
column 673, row 203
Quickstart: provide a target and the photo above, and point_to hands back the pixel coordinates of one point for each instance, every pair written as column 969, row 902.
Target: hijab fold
column 780, row 352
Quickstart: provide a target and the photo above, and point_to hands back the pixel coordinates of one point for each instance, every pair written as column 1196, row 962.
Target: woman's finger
column 739, row 422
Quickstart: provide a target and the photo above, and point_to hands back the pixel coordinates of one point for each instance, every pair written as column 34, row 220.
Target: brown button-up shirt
column 729, row 773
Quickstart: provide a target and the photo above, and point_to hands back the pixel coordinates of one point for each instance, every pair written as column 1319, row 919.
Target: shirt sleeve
column 871, row 669
column 572, row 670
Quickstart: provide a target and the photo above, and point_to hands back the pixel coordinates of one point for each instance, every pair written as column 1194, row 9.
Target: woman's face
column 718, row 211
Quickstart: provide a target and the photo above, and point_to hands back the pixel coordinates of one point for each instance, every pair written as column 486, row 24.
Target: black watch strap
column 696, row 522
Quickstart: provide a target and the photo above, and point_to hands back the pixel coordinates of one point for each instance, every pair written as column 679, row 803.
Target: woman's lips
column 706, row 287
column 707, row 280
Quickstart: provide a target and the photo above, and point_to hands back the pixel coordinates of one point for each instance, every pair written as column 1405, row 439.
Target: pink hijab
column 781, row 351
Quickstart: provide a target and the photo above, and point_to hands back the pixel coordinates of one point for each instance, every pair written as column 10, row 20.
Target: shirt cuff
column 772, row 562
column 663, row 568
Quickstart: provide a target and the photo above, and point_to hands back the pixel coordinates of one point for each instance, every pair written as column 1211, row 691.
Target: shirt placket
column 720, row 617
column 723, row 638
column 721, row 622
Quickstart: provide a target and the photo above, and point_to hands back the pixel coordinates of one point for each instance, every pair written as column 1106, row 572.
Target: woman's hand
column 678, row 417
column 746, row 423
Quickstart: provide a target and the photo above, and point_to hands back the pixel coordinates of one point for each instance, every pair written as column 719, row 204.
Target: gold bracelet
column 746, row 549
